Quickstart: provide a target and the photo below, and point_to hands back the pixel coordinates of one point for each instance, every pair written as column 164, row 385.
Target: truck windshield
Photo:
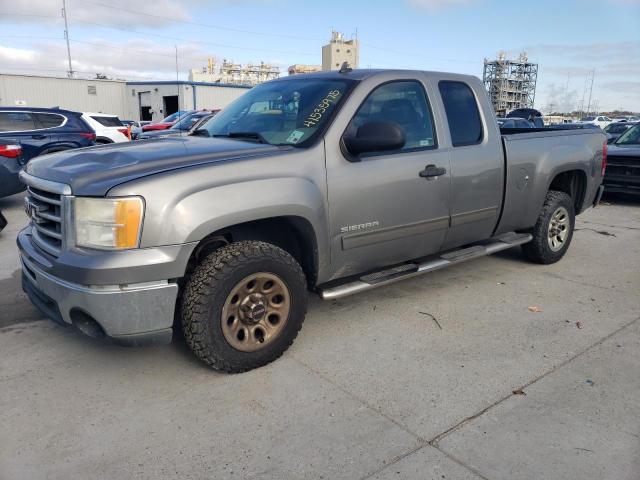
column 630, row 137
column 288, row 112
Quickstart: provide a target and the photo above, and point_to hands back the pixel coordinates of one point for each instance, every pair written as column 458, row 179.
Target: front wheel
column 553, row 231
column 243, row 306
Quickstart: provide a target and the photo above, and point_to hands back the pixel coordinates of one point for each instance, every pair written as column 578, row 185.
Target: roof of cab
column 361, row 74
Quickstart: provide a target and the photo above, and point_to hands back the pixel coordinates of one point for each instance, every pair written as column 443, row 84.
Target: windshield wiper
column 245, row 135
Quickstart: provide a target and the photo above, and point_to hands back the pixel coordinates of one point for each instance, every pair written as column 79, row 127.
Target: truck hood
column 95, row 170
column 623, row 150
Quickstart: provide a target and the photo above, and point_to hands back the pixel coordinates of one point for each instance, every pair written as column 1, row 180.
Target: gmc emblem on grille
column 32, row 210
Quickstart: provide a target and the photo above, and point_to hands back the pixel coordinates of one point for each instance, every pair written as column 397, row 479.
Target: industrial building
column 334, row 54
column 302, row 68
column 234, row 73
column 338, row 51
column 72, row 94
column 511, row 84
column 151, row 100
column 155, row 100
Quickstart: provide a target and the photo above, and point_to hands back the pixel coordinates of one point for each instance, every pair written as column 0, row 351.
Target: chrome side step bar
column 401, row 272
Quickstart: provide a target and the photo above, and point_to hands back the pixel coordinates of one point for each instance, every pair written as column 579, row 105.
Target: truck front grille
column 623, row 166
column 46, row 210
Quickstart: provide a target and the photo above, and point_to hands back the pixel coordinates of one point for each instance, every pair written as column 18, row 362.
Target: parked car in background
column 136, row 127
column 623, row 169
column 108, row 128
column 615, row 129
column 514, row 123
column 574, row 126
column 627, row 118
column 26, row 133
column 530, row 114
column 131, row 123
column 167, row 121
column 599, row 120
column 181, row 127
column 334, row 182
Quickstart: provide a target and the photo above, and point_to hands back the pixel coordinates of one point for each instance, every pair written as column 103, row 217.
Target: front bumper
column 131, row 314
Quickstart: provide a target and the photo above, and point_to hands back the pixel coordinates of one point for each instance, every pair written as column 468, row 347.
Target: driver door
column 382, row 211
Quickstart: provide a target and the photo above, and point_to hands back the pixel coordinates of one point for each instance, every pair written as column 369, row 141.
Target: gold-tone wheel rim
column 255, row 311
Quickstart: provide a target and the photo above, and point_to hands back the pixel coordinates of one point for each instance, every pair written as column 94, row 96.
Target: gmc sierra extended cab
column 335, row 182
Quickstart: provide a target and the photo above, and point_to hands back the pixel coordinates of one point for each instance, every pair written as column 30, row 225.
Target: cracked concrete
column 373, row 388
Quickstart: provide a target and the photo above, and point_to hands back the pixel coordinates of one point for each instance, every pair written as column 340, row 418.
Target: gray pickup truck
column 335, row 182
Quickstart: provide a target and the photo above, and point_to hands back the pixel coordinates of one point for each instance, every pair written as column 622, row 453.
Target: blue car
column 27, row 132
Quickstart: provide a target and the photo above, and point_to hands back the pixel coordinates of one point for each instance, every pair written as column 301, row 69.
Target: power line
column 27, row 69
column 181, row 39
column 398, row 52
column 199, row 24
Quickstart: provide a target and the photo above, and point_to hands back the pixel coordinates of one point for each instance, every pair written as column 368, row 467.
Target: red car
column 165, row 123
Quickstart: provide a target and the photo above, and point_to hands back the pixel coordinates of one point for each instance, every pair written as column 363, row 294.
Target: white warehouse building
column 151, row 100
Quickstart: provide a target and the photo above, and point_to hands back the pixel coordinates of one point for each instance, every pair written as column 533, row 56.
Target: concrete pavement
column 415, row 380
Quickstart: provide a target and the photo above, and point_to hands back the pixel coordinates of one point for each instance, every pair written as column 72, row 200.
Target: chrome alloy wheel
column 255, row 312
column 558, row 229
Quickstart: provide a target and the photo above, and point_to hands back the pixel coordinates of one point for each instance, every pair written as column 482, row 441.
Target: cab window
column 462, row 112
column 403, row 103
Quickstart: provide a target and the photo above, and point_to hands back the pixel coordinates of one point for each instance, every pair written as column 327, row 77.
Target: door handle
column 432, row 171
column 38, row 137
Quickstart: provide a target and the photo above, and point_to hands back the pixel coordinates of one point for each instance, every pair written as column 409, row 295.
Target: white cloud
column 49, row 11
column 17, row 54
column 133, row 59
column 137, row 58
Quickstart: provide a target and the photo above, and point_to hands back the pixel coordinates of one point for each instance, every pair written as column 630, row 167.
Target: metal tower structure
column 511, row 84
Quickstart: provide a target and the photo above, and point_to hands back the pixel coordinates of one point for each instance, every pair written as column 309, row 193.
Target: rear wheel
column 553, row 231
column 243, row 306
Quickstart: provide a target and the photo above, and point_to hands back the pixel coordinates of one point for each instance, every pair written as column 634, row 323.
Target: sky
column 138, row 40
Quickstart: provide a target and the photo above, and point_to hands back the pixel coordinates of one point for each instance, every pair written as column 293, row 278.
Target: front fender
column 232, row 204
column 187, row 204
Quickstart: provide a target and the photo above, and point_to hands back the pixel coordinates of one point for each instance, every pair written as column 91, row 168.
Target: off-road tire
column 207, row 290
column 538, row 250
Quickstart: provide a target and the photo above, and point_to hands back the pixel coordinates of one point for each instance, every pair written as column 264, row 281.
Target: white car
column 627, row 118
column 600, row 120
column 108, row 128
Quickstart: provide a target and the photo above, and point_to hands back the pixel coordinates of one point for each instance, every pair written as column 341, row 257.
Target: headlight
column 108, row 223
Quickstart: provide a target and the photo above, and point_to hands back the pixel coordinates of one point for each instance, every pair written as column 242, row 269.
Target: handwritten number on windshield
column 314, row 117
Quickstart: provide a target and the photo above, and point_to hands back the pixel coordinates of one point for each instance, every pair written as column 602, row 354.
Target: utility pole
column 177, row 84
column 566, row 94
column 593, row 76
column 66, row 36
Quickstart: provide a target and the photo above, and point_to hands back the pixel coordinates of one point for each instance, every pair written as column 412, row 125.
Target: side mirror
column 375, row 137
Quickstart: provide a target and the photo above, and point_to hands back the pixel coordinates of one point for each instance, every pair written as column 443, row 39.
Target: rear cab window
column 463, row 116
column 107, row 121
column 405, row 103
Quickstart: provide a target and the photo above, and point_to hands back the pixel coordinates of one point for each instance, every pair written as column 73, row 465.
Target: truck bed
column 533, row 157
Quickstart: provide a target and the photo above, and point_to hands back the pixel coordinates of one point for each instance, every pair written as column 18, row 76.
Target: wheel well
column 574, row 184
column 295, row 235
column 103, row 140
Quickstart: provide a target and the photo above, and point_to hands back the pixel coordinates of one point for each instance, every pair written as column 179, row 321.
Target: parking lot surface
column 447, row 376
